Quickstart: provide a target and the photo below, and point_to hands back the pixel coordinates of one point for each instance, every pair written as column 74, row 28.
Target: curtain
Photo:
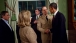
column 10, row 7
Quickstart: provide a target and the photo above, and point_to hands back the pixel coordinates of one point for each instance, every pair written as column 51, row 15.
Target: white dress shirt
column 55, row 13
column 37, row 16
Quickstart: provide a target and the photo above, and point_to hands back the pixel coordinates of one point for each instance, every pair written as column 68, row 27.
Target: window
column 30, row 5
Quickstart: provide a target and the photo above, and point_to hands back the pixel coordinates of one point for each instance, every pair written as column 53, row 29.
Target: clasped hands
column 35, row 21
column 47, row 31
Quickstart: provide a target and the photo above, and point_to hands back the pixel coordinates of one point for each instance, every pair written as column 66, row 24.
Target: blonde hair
column 24, row 18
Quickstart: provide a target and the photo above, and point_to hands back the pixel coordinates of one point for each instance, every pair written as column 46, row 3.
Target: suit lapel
column 6, row 24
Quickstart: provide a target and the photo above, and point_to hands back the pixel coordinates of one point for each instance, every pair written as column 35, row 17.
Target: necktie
column 36, row 17
column 53, row 17
column 46, row 18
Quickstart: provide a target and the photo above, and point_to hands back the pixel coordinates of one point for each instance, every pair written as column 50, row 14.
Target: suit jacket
column 34, row 26
column 58, row 29
column 6, row 34
column 17, row 32
column 27, row 35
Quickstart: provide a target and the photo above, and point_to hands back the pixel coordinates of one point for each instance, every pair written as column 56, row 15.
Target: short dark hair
column 37, row 9
column 54, row 5
column 3, row 13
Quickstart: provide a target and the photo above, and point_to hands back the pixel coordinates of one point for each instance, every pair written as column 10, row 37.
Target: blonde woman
column 27, row 34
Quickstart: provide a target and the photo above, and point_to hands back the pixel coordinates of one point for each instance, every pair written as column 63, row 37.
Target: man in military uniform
column 44, row 24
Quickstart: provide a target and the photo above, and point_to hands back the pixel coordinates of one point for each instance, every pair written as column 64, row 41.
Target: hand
column 47, row 31
column 35, row 21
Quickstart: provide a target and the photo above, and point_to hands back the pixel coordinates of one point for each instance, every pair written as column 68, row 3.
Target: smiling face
column 44, row 10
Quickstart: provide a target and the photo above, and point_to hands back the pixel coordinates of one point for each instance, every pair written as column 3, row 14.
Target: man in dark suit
column 6, row 32
column 58, row 25
column 17, row 32
column 34, row 24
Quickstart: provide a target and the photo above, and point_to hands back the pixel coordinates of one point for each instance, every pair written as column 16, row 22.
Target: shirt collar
column 38, row 15
column 4, row 20
column 55, row 13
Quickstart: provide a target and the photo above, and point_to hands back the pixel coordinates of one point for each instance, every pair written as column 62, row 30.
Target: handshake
column 35, row 21
column 47, row 31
